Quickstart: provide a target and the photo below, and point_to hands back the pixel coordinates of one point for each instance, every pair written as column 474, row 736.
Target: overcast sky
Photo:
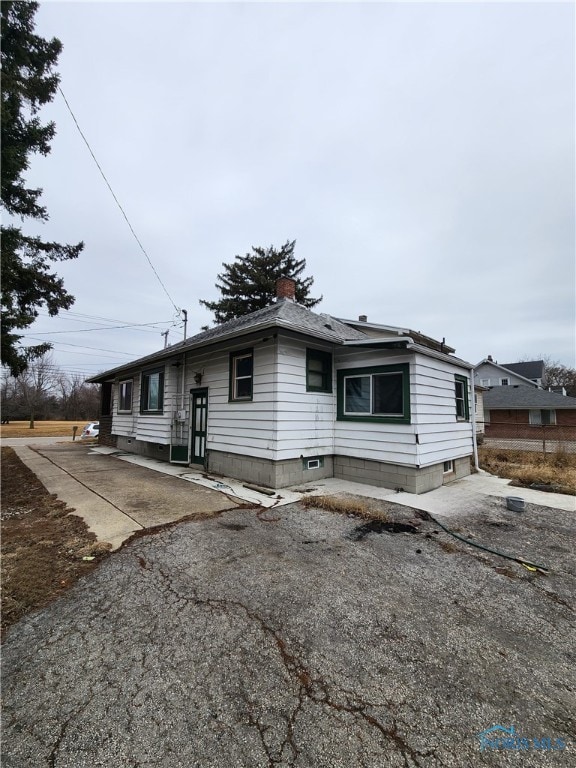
column 421, row 155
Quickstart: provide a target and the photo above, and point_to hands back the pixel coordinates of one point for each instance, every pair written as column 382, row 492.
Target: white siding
column 479, row 411
column 152, row 428
column 284, row 421
column 304, row 420
column 434, row 434
column 126, row 424
column 237, row 427
column 155, row 428
column 391, row 443
column 441, row 437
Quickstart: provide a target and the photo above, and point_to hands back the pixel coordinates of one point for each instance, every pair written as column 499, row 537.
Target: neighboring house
column 489, row 374
column 516, row 412
column 284, row 396
column 479, row 407
column 533, row 370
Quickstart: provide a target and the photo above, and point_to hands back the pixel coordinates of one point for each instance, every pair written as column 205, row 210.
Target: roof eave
column 184, row 347
column 406, row 342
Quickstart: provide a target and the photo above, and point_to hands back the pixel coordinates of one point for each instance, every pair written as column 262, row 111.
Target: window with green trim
column 125, row 396
column 152, row 391
column 318, row 371
column 461, row 394
column 380, row 393
column 242, row 375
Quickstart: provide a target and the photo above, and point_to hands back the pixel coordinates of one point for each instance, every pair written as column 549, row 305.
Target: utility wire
column 82, row 346
column 117, row 201
column 84, row 330
column 136, row 326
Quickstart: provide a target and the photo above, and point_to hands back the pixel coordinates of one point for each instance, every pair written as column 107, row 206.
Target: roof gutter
column 376, row 342
column 406, row 342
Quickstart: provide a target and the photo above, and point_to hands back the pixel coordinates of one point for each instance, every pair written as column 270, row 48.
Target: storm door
column 199, row 413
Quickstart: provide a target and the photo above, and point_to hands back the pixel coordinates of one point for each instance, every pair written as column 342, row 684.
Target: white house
column 284, row 396
column 488, row 373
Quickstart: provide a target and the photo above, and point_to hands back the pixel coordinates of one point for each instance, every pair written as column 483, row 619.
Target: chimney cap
column 363, row 318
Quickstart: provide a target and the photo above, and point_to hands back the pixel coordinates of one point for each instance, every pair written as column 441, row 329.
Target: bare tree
column 36, row 385
column 8, row 396
column 77, row 400
column 559, row 375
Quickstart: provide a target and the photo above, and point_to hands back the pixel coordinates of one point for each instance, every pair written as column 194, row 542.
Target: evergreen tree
column 249, row 282
column 28, row 83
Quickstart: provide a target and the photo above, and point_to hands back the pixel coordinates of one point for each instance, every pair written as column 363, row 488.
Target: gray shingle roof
column 283, row 313
column 525, row 397
column 532, row 369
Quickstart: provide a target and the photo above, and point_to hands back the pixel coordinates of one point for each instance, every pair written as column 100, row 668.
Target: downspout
column 474, row 442
column 182, row 423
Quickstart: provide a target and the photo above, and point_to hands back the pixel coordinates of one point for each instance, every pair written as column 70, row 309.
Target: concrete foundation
column 142, row 448
column 282, row 474
column 271, row 474
column 383, row 475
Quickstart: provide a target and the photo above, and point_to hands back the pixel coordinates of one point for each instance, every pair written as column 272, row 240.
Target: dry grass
column 447, row 546
column 345, row 505
column 556, row 470
column 42, row 428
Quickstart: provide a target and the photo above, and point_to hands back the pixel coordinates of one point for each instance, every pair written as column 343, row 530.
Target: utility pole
column 165, row 334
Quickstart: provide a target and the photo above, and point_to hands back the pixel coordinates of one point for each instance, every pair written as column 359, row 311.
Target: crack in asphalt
column 309, row 688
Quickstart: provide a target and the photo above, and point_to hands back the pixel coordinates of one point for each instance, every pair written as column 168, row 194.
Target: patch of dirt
column 43, row 545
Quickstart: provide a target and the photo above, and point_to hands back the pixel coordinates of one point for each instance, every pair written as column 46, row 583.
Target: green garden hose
column 526, row 563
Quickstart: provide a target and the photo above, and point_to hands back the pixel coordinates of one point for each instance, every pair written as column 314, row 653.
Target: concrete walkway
column 117, row 499
column 104, row 519
column 118, row 494
column 463, row 496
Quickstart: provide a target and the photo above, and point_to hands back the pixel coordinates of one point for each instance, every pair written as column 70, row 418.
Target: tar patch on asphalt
column 378, row 526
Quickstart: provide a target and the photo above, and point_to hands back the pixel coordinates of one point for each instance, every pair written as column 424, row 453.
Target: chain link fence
column 543, row 438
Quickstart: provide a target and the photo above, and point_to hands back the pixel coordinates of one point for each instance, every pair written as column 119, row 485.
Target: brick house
column 525, row 412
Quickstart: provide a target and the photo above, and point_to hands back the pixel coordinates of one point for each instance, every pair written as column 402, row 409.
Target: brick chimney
column 286, row 288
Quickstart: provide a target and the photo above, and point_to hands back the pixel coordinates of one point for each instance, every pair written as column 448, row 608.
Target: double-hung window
column 461, row 394
column 242, row 375
column 318, row 371
column 542, row 417
column 125, row 396
column 374, row 394
column 152, row 394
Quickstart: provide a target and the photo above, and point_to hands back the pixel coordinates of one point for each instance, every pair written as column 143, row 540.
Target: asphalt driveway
column 286, row 637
